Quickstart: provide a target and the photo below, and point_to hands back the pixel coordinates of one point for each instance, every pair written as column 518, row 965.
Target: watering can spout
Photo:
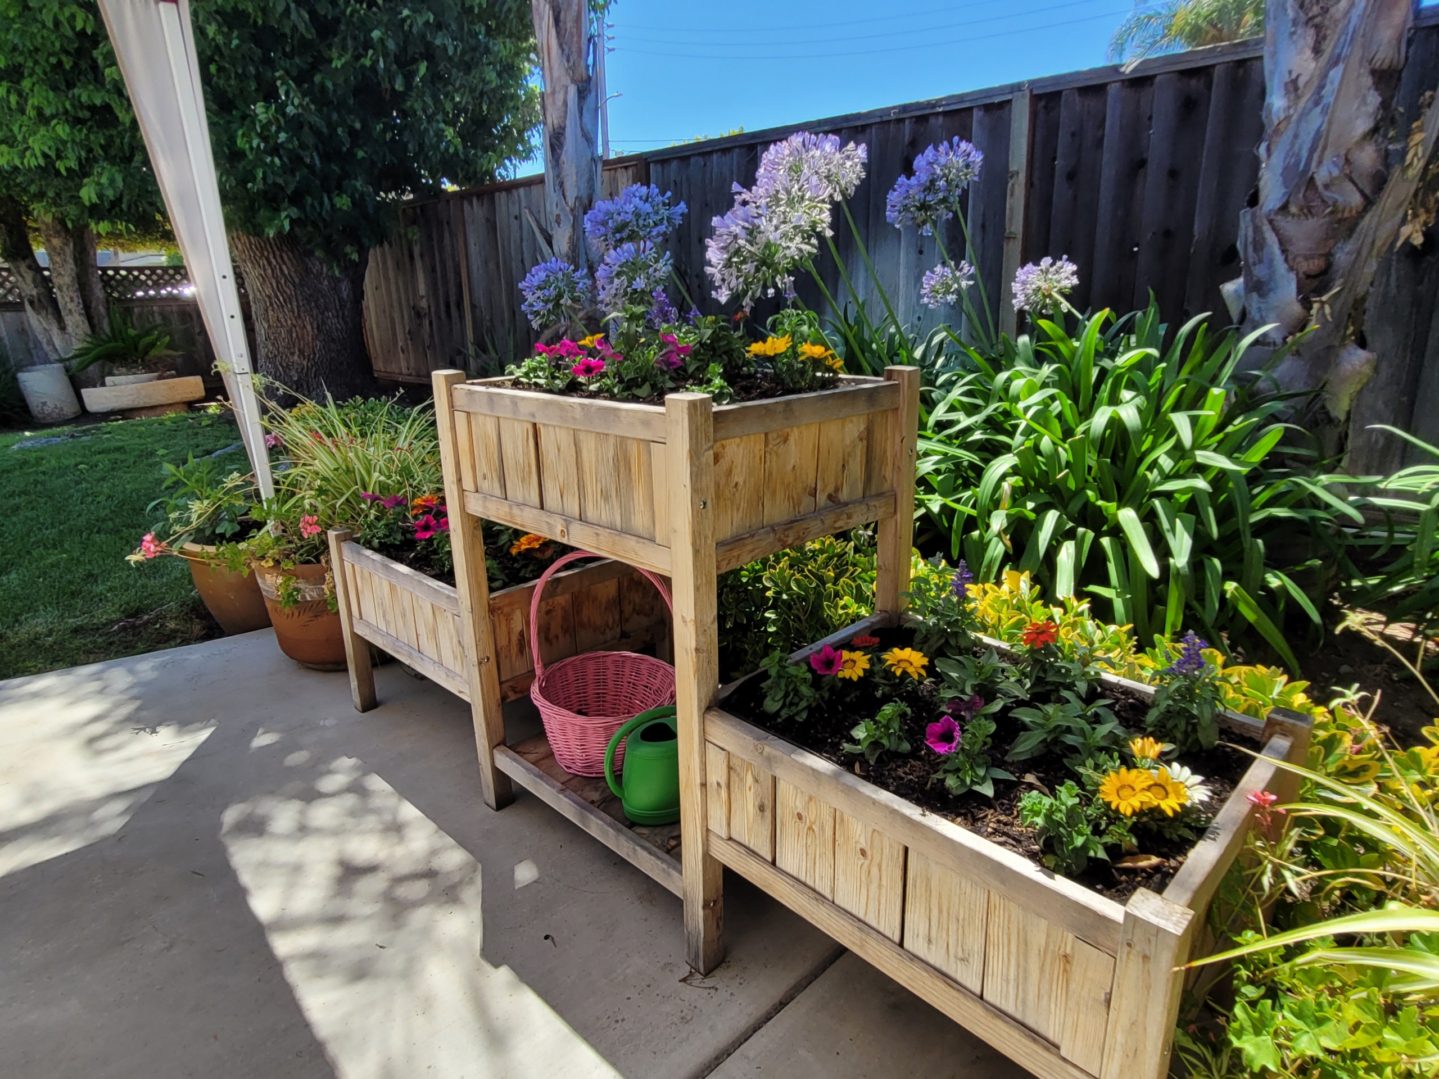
column 649, row 785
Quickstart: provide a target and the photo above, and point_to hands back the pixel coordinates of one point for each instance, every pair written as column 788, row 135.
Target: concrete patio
column 211, row 866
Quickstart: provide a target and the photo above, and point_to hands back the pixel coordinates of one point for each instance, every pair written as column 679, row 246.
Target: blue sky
column 682, row 70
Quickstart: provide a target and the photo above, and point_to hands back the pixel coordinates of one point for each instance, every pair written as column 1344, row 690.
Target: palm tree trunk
column 571, row 101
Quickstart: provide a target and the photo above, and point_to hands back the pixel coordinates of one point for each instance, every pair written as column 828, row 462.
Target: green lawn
column 72, row 511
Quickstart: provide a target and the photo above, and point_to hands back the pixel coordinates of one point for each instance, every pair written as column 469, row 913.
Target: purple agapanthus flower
column 1191, row 655
column 661, row 312
column 941, row 173
column 963, row 578
column 1040, row 286
column 555, row 293
column 944, row 285
column 639, row 214
column 630, row 274
column 777, row 224
column 944, row 735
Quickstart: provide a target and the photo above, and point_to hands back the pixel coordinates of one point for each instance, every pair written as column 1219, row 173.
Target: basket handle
column 553, row 568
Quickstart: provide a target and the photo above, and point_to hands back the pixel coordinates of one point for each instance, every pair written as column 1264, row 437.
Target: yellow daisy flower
column 771, row 346
column 852, row 665
column 821, row 353
column 1166, row 793
column 1146, row 748
column 906, row 661
column 592, row 340
column 1126, row 790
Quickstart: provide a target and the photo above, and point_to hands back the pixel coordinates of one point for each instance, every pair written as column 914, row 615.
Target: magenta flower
column 1263, row 802
column 310, row 525
column 370, row 496
column 429, row 526
column 827, row 661
column 966, row 707
column 393, row 502
column 588, row 367
column 943, row 735
column 273, row 441
column 674, row 355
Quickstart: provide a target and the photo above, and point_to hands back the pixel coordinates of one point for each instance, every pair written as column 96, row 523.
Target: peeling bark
column 571, row 103
column 75, row 279
column 1333, row 191
column 41, row 310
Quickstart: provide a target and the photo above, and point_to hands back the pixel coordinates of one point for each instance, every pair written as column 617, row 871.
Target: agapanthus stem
column 854, row 345
column 867, row 325
column 985, row 337
column 978, row 276
column 873, row 276
column 683, row 291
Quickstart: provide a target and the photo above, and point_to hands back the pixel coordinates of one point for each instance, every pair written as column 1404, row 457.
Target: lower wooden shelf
column 589, row 803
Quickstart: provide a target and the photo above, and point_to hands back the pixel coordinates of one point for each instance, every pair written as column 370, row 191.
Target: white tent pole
column 155, row 49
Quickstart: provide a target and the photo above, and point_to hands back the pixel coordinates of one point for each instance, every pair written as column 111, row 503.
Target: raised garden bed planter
column 417, row 619
column 1067, row 982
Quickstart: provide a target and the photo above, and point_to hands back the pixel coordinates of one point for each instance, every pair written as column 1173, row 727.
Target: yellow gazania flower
column 823, row 354
column 1166, row 793
column 906, row 661
column 1145, row 749
column 592, row 340
column 528, row 542
column 852, row 665
column 1126, row 790
column 771, row 346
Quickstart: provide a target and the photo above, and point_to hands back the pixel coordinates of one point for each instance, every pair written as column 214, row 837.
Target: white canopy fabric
column 156, row 52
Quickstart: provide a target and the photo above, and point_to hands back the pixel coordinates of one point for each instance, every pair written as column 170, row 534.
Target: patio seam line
column 785, row 999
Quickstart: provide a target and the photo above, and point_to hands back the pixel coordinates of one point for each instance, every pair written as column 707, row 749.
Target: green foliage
column 205, row 502
column 969, row 766
column 128, row 349
column 789, row 690
column 1175, row 25
column 1070, row 825
column 790, row 598
column 1186, row 708
column 69, row 146
column 324, row 114
column 1083, row 728
column 882, row 734
column 1128, row 463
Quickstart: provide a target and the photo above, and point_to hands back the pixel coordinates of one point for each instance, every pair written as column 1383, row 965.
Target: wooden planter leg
column 1144, row 1002
column 477, row 632
column 690, row 444
column 896, row 534
column 357, row 649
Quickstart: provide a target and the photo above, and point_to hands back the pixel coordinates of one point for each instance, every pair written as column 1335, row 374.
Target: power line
column 948, row 9
column 749, row 41
column 740, row 57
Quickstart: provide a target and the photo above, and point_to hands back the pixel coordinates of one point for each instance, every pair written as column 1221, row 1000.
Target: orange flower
column 528, row 542
column 425, row 503
column 1039, row 634
column 864, row 640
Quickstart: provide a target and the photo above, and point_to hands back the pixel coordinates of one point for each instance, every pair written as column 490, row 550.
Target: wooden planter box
column 417, row 619
column 1065, row 981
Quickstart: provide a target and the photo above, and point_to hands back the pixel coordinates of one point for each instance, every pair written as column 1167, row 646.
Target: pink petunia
column 151, row 547
column 588, row 367
column 273, row 441
column 1263, row 801
column 429, row 526
column 827, row 661
column 310, row 525
column 943, row 735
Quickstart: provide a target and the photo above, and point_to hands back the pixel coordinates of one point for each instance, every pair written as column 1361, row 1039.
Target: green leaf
column 1133, row 529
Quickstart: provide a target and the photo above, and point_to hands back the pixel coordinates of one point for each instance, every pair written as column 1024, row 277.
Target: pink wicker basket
column 584, row 699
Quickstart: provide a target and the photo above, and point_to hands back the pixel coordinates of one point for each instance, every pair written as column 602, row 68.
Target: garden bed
column 1067, row 981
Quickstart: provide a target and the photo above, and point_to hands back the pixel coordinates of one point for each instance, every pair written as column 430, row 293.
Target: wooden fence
column 148, row 295
column 1138, row 176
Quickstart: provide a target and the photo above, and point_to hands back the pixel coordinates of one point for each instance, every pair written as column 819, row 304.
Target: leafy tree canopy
column 325, row 114
column 1174, row 25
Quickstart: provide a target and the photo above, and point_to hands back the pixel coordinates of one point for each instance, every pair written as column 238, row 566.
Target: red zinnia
column 1039, row 634
column 864, row 640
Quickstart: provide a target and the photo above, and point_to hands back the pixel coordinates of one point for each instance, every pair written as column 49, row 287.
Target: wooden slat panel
column 511, row 641
column 1028, row 962
column 790, row 467
column 804, row 838
column 556, row 628
column 739, row 497
column 484, row 453
column 751, row 807
column 596, row 615
column 559, row 482
column 717, row 783
column 843, row 453
column 601, row 482
column 944, row 919
column 660, row 509
column 878, row 446
column 609, row 542
column 520, row 463
column 869, row 874
column 1084, row 1013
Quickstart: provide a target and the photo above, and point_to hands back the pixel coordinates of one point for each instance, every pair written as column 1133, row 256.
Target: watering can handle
column 615, row 740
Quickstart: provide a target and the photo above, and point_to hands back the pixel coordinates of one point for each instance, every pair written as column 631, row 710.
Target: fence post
column 1014, row 205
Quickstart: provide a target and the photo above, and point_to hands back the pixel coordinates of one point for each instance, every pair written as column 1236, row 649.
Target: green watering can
column 651, row 790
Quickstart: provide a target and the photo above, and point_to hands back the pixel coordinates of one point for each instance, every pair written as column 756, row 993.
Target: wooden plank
column 740, row 549
column 432, row 591
column 739, row 496
column 717, row 800
column 985, row 1021
column 896, row 533
column 842, row 452
column 791, row 464
column 751, row 807
column 944, row 919
column 633, row 848
column 494, row 398
column 480, row 442
column 1016, row 191
column 1144, row 1001
column 659, row 494
column 357, row 653
column 558, row 464
column 608, row 542
column 467, row 543
column 1075, row 908
column 519, row 460
column 855, row 395
column 690, row 437
column 1026, row 958
column 595, row 615
column 1085, row 1013
column 804, row 838
column 408, row 654
column 602, row 484
column 869, row 874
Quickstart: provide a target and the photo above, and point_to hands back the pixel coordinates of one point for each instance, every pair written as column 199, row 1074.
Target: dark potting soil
column 828, row 727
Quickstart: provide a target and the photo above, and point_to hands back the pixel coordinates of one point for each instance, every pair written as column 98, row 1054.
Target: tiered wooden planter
column 1067, row 982
column 419, row 620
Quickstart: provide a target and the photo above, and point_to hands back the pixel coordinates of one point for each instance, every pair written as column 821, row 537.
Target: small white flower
column 1199, row 794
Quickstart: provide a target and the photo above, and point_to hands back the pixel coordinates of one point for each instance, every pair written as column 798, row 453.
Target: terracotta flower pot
column 233, row 599
column 307, row 631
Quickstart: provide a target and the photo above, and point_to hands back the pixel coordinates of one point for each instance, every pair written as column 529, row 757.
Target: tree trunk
column 70, row 249
column 571, row 102
column 41, row 310
column 1330, row 200
column 308, row 317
